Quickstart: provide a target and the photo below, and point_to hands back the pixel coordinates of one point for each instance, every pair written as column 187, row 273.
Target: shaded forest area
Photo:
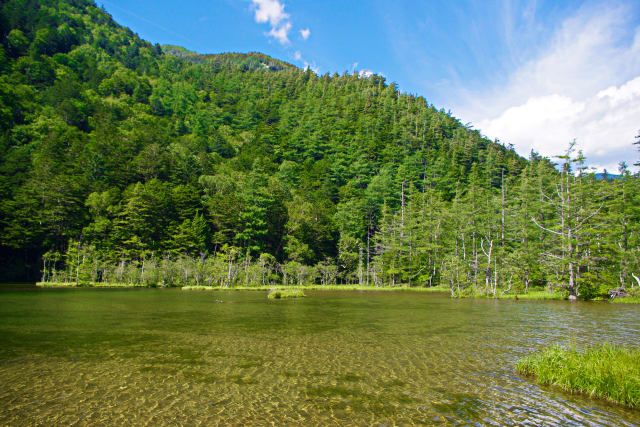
column 127, row 162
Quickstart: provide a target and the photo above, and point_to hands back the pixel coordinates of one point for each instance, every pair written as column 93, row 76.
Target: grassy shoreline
column 243, row 288
column 604, row 371
column 627, row 300
column 315, row 288
column 531, row 295
column 545, row 295
column 87, row 285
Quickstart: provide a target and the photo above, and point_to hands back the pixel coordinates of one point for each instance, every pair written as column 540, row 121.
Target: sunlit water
column 156, row 357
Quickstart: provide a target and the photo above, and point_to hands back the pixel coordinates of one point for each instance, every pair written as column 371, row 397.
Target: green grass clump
column 287, row 293
column 606, row 371
column 537, row 295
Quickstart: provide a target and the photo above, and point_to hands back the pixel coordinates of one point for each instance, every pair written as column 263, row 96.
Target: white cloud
column 604, row 125
column 365, row 73
column 297, row 55
column 281, row 33
column 585, row 85
column 272, row 11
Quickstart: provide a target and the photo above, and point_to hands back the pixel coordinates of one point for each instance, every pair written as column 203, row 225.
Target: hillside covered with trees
column 121, row 161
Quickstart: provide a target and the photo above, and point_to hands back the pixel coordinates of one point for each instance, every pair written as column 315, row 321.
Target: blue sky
column 536, row 74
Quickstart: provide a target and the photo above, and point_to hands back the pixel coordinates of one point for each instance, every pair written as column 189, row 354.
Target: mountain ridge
column 251, row 60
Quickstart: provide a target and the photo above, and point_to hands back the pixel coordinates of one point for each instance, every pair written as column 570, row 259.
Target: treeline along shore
column 127, row 162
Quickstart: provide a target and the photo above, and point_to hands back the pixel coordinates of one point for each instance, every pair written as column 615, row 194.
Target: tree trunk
column 487, row 272
column 502, row 222
column 402, row 212
column 360, row 266
column 78, row 265
column 509, row 288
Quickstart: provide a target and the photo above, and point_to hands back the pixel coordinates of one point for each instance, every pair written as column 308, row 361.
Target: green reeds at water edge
column 605, row 371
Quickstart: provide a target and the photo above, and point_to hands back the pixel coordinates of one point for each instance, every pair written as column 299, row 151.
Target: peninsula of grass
column 604, row 371
column 285, row 293
column 88, row 285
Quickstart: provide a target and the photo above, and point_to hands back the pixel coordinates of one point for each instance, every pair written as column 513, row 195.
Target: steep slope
column 92, row 116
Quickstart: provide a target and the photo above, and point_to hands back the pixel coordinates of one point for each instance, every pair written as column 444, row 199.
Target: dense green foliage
column 121, row 161
column 604, row 371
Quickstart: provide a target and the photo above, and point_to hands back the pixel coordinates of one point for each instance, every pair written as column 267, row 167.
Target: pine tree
column 576, row 211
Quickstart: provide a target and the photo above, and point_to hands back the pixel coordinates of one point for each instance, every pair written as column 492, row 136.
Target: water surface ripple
column 158, row 357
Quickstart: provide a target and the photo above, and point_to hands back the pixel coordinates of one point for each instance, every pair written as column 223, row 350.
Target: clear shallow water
column 155, row 357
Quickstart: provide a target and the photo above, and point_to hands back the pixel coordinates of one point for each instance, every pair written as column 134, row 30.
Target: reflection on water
column 146, row 356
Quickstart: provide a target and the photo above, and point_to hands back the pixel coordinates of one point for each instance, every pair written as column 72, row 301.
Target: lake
column 166, row 356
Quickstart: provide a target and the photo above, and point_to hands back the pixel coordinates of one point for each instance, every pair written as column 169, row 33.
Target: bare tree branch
column 589, row 217
column 552, row 255
column 546, row 229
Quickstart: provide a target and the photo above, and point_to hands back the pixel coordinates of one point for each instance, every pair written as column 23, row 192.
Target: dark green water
column 156, row 357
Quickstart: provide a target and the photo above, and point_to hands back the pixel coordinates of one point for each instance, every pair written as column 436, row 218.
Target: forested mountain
column 125, row 161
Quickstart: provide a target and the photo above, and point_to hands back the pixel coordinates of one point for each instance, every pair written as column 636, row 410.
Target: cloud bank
column 585, row 85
